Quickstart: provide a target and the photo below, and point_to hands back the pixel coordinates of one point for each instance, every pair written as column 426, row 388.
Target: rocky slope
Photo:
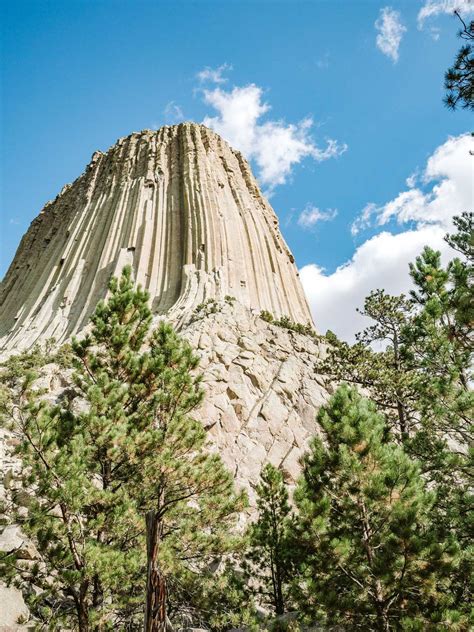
column 184, row 210
column 262, row 392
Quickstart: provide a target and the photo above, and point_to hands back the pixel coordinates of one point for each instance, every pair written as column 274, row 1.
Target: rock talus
column 184, row 210
column 261, row 391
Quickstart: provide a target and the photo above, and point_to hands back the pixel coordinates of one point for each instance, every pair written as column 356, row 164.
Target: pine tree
column 269, row 554
column 384, row 372
column 440, row 343
column 422, row 377
column 459, row 78
column 441, row 337
column 123, row 449
column 369, row 556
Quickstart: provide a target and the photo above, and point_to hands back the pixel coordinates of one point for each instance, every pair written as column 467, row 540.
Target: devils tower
column 185, row 211
column 181, row 207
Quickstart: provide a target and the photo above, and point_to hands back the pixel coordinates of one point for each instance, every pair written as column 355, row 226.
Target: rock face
column 185, row 211
column 12, row 605
column 12, row 610
column 179, row 205
column 261, row 391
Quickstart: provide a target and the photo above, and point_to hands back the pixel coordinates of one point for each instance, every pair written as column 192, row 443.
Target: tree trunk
column 156, row 592
column 97, row 592
column 401, row 420
column 82, row 606
column 279, row 601
column 83, row 622
column 83, row 616
column 383, row 620
column 280, row 604
column 402, row 424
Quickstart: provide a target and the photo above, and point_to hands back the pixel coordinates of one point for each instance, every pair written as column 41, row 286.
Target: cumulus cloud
column 390, row 32
column 173, row 112
column 213, row 75
column 382, row 261
column 311, row 215
column 412, row 180
column 433, row 8
column 450, row 168
column 275, row 146
column 408, row 203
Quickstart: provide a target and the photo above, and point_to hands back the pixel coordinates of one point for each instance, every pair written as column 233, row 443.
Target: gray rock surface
column 262, row 393
column 181, row 207
column 12, row 610
column 185, row 211
column 12, row 539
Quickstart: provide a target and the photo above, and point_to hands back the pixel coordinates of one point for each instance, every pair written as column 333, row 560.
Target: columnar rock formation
column 178, row 204
column 185, row 211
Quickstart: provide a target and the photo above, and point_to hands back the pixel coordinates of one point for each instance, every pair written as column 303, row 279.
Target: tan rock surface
column 262, row 393
column 12, row 610
column 178, row 204
column 184, row 210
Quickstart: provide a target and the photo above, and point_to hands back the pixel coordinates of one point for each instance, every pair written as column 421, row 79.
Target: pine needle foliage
column 383, row 372
column 440, row 343
column 269, row 560
column 459, row 78
column 370, row 559
column 422, row 382
column 123, row 444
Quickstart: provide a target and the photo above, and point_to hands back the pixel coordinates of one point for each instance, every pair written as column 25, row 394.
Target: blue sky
column 79, row 74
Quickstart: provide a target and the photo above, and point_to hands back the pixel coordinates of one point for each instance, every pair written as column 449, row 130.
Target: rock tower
column 185, row 211
column 181, row 207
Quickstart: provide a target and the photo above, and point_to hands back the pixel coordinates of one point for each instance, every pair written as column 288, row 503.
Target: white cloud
column 311, row 215
column 450, row 168
column 275, row 146
column 404, row 207
column 412, row 180
column 213, row 75
column 364, row 219
column 173, row 113
column 390, row 34
column 382, row 261
column 433, row 8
